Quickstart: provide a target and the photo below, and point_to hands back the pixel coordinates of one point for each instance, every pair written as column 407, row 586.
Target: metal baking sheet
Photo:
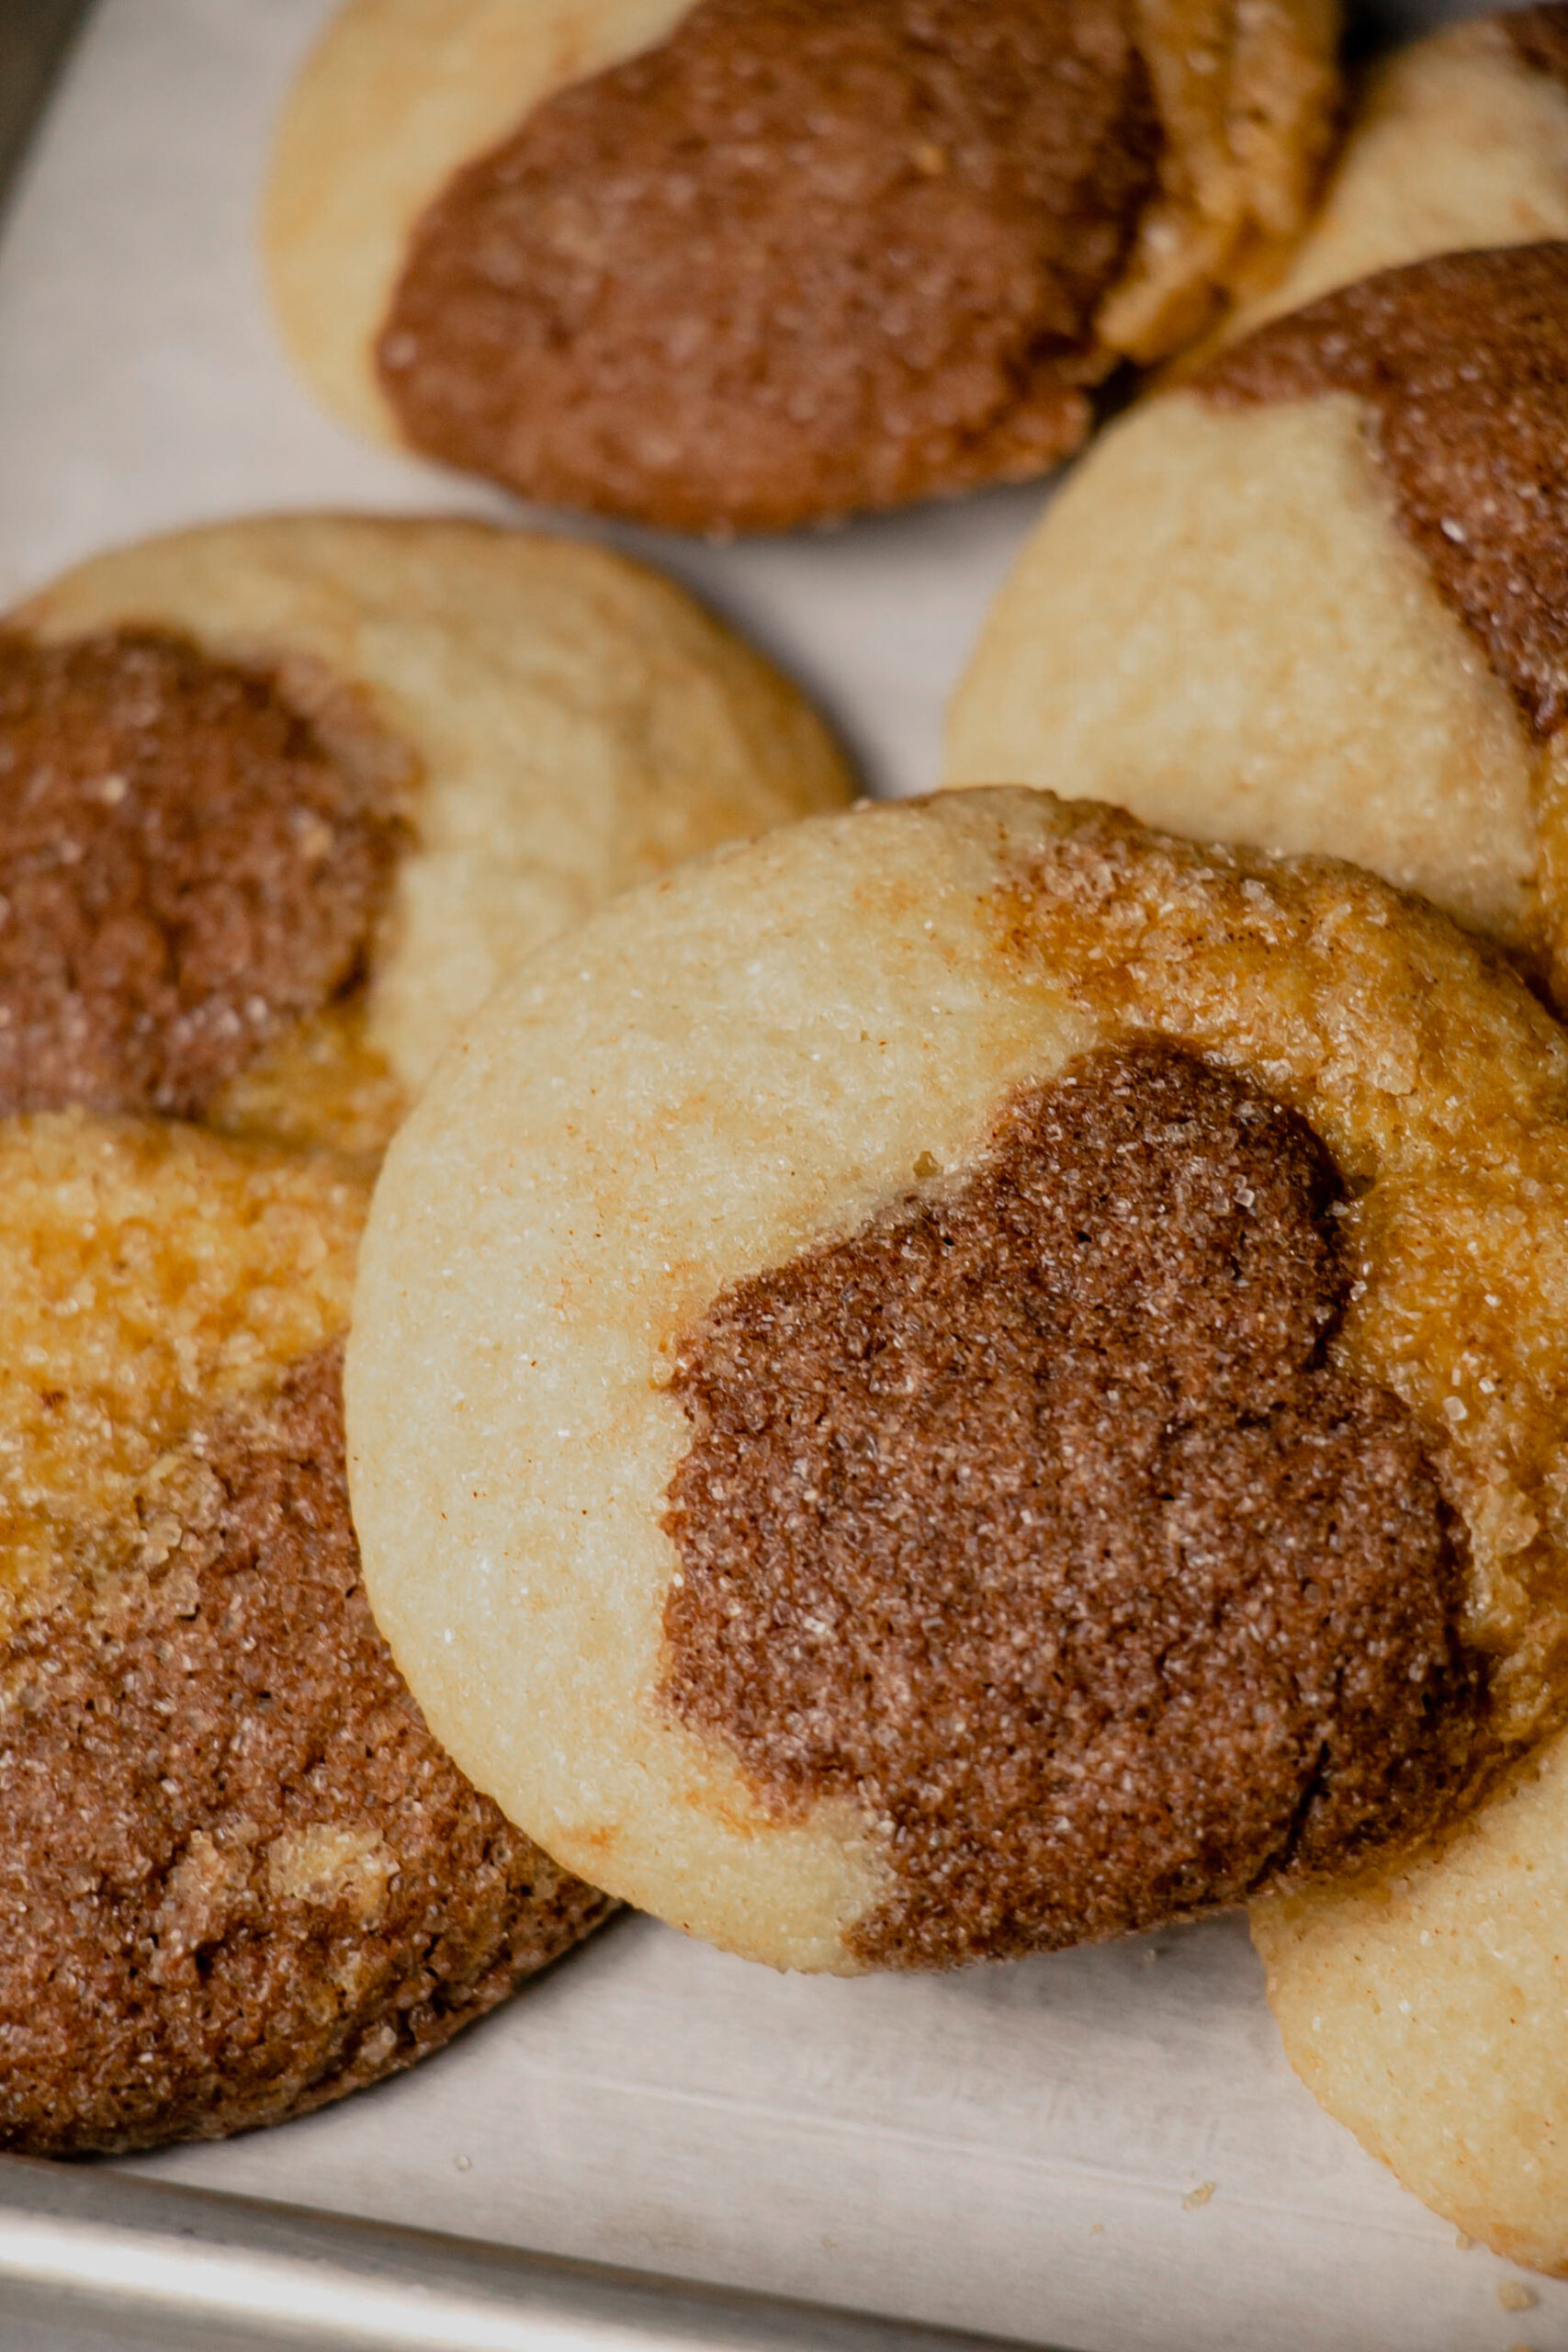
column 1102, row 2150
column 132, row 2262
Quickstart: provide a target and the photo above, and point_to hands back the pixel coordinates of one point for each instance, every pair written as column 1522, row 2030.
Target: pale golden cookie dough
column 1424, row 2005
column 532, row 724
column 782, row 1050
column 1460, row 140
column 239, row 1878
column 1314, row 600
column 1179, row 157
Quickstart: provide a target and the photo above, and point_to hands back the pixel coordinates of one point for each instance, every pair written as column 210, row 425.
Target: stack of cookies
column 924, row 1383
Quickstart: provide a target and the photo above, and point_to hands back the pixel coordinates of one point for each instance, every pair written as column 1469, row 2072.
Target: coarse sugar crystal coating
column 1468, row 426
column 1316, row 598
column 1440, row 1088
column 279, row 798
column 248, row 1879
column 186, row 870
column 791, row 262
column 369, row 762
column 698, row 1210
column 727, row 266
column 577, row 245
column 152, row 1274
column 1032, row 1518
column 241, row 1876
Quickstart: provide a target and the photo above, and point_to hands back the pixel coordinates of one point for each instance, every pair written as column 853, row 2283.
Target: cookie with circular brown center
column 968, row 1377
column 1456, row 142
column 280, row 799
column 743, row 264
column 1317, row 599
column 239, row 1876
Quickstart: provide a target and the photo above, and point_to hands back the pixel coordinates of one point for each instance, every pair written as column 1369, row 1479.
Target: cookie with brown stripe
column 1317, row 599
column 743, row 264
column 1032, row 1415
column 239, row 1877
column 287, row 796
column 1455, row 141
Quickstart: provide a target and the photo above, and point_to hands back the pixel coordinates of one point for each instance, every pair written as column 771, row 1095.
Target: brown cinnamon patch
column 1035, row 1520
column 1462, row 361
column 239, row 1877
column 796, row 260
column 186, row 869
column 1539, row 39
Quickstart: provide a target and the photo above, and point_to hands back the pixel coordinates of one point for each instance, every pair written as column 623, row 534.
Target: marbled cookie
column 1456, row 142
column 967, row 1377
column 280, row 800
column 747, row 264
column 1317, row 599
column 237, row 1878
